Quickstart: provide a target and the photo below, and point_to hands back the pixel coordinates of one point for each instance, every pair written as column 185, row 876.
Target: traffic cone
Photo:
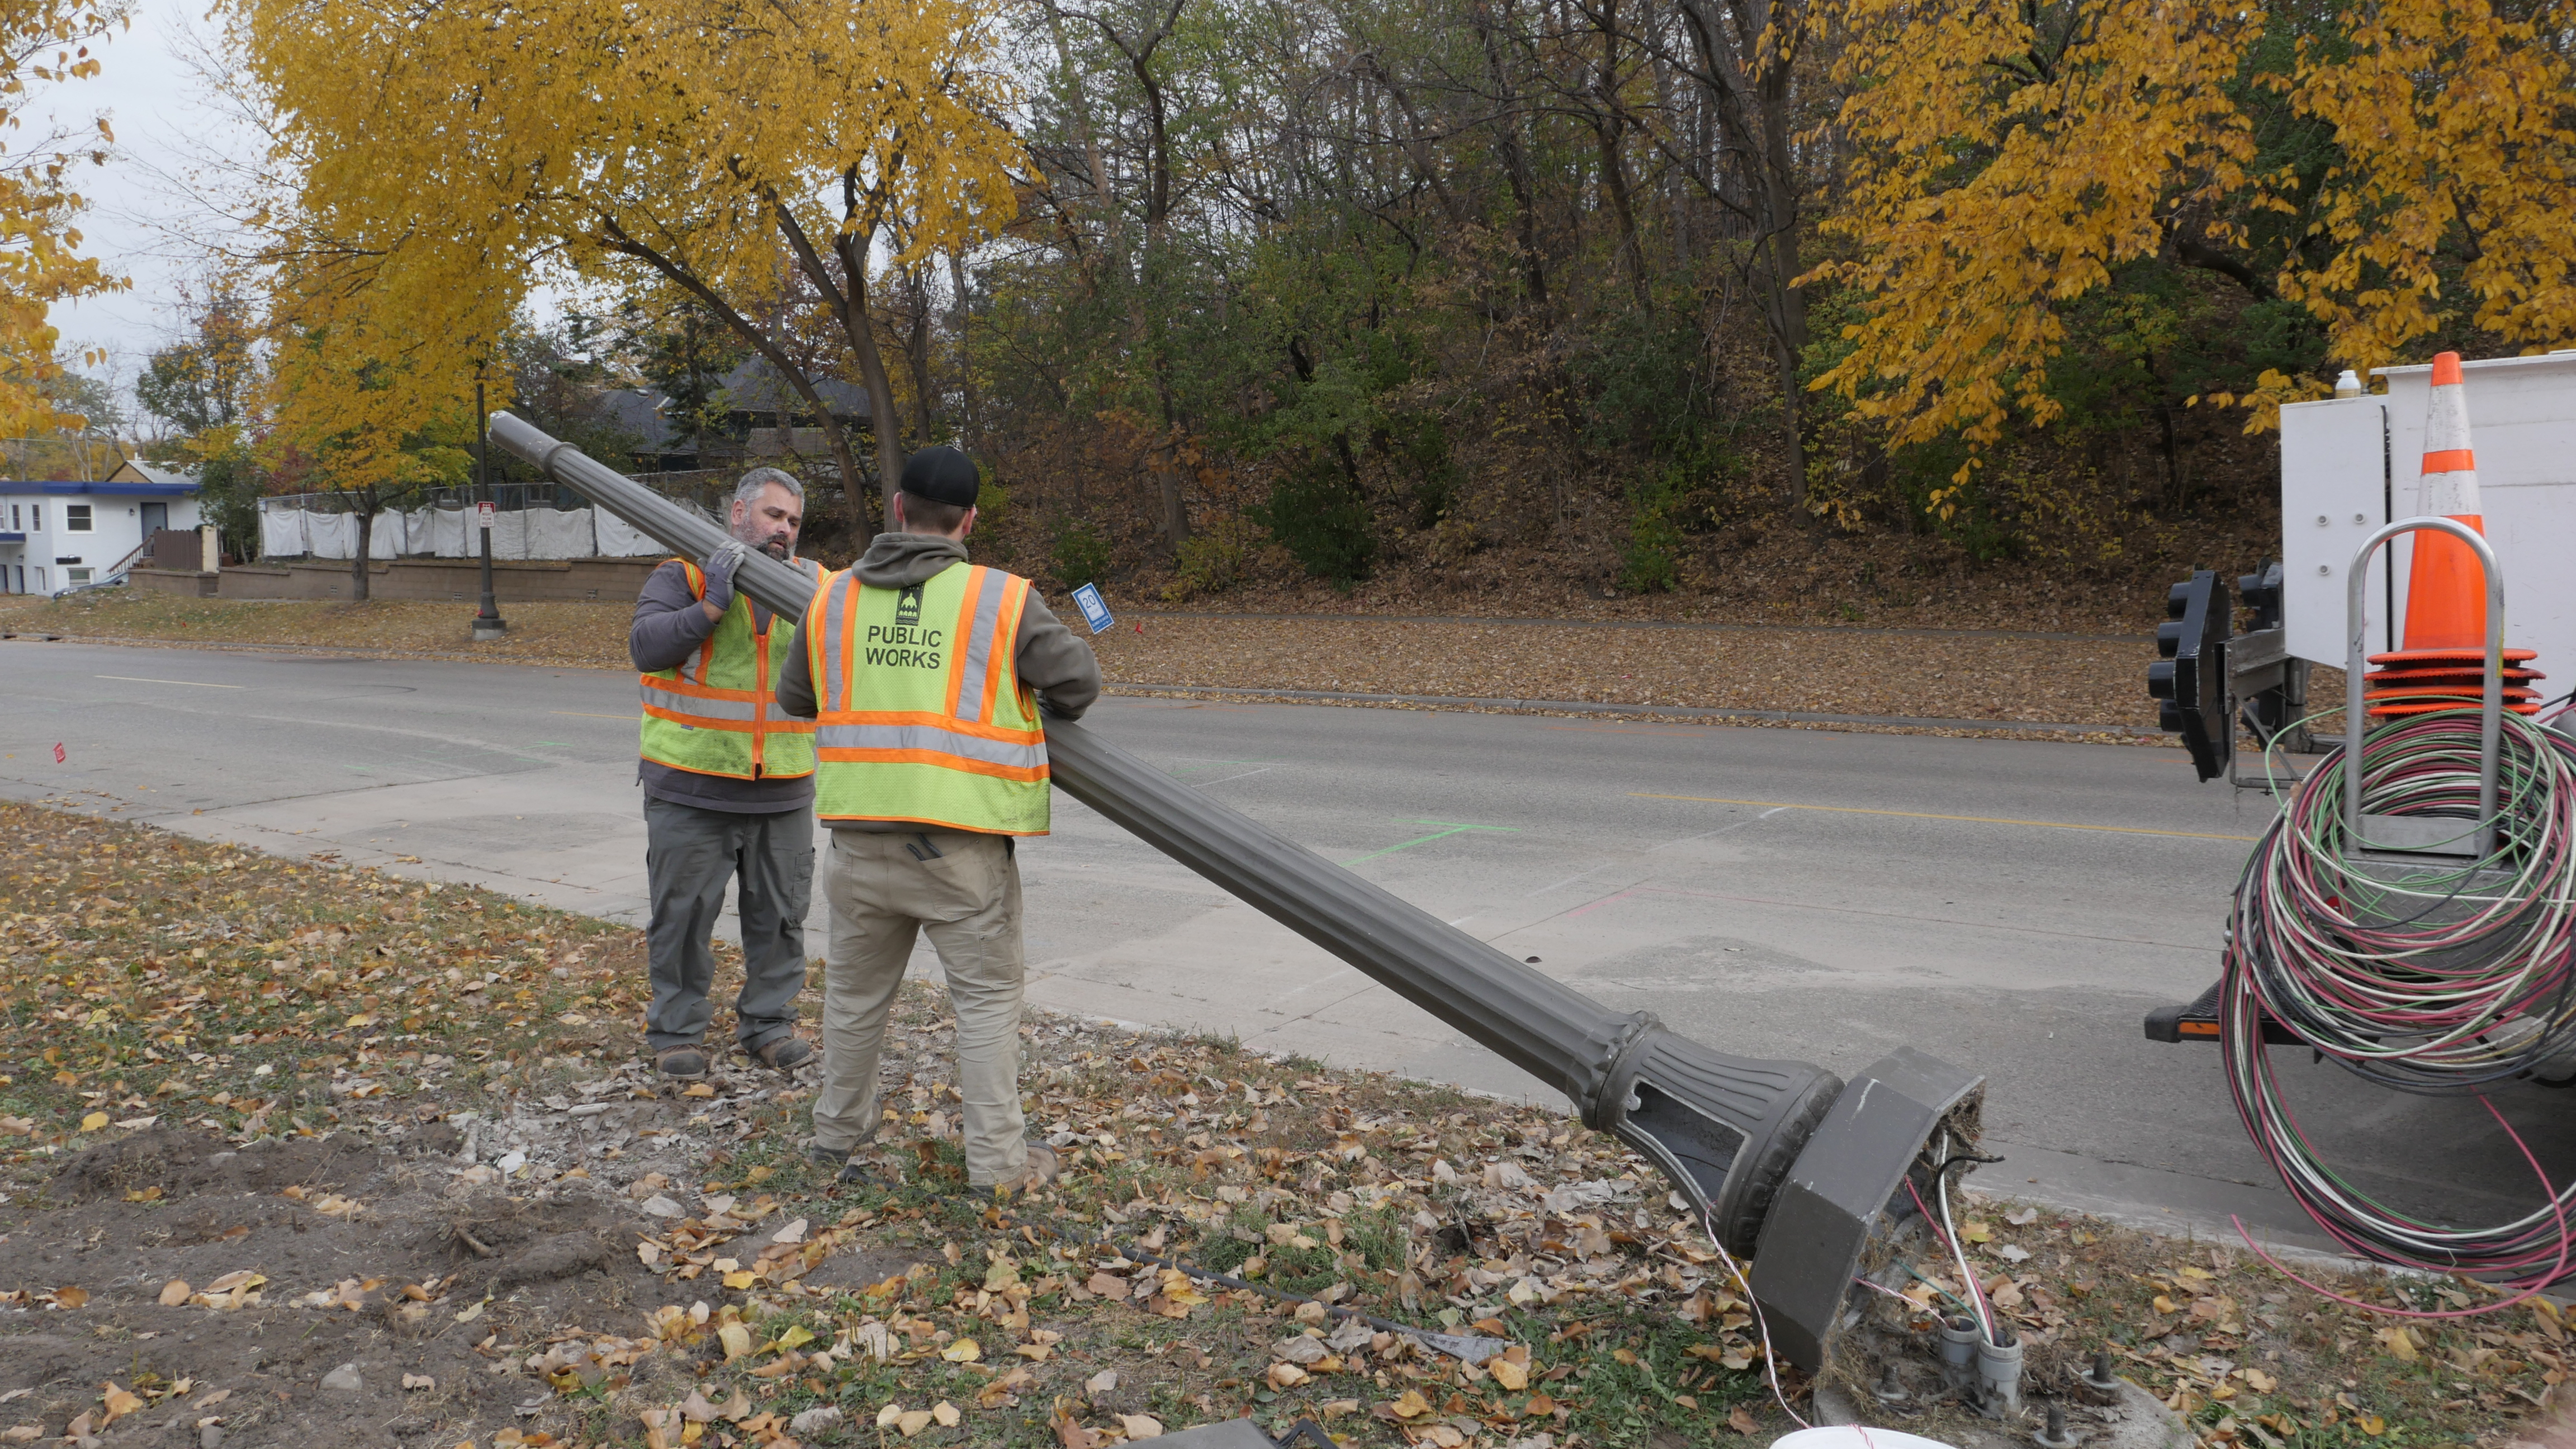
column 2441, row 665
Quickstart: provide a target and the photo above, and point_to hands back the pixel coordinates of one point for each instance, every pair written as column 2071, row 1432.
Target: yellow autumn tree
column 44, row 43
column 2007, row 161
column 2456, row 189
column 436, row 162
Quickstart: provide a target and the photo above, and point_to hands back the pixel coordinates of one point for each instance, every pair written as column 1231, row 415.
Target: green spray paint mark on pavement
column 1443, row 833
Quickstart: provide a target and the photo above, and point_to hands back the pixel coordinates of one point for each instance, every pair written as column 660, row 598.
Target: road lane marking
column 1246, row 775
column 191, row 683
column 585, row 714
column 1966, row 819
column 1435, row 835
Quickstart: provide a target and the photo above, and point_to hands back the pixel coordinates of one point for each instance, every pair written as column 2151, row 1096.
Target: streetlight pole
column 488, row 623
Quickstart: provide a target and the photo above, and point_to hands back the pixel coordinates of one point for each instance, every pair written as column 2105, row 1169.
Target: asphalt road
column 2013, row 905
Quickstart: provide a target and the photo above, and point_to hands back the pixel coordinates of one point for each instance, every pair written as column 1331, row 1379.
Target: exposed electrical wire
column 2531, row 1287
column 1770, row 1361
column 2433, row 975
column 1959, row 1249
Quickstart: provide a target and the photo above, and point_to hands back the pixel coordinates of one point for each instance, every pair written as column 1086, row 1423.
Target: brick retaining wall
column 599, row 580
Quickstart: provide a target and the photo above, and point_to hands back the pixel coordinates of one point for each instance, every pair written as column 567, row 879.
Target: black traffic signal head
column 2261, row 591
column 2191, row 679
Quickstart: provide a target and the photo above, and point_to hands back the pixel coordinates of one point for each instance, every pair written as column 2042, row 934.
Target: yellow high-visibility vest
column 922, row 717
column 716, row 712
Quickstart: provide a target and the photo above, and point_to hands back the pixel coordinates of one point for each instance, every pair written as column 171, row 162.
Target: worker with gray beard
column 728, row 789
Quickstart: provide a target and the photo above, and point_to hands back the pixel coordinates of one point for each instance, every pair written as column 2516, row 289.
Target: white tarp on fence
column 281, row 532
column 620, row 539
column 536, row 533
column 509, row 536
column 446, row 535
column 556, row 533
column 330, row 535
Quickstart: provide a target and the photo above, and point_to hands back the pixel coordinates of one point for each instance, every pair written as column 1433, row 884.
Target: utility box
column 2349, row 465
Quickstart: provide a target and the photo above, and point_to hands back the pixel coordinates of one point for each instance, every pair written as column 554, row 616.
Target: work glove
column 719, row 567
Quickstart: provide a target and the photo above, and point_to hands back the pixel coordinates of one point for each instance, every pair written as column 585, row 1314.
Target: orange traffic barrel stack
column 2443, row 663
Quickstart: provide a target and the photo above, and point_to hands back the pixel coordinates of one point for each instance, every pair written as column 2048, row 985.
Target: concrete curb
column 1524, row 621
column 1625, row 711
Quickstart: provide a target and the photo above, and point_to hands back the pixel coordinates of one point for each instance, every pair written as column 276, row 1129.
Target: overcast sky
column 166, row 121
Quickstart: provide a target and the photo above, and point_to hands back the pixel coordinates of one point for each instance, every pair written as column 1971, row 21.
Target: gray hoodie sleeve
column 668, row 622
column 795, row 686
column 1055, row 662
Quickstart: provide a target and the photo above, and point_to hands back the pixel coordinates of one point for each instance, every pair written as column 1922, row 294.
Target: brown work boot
column 783, row 1053
column 1041, row 1171
column 681, row 1063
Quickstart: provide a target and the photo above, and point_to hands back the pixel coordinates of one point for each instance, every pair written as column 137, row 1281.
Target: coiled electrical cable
column 2428, row 974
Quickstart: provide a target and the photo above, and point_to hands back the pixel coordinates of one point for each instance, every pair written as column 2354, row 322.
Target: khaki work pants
column 964, row 889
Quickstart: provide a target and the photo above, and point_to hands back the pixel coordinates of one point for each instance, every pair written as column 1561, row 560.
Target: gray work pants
column 964, row 890
column 689, row 854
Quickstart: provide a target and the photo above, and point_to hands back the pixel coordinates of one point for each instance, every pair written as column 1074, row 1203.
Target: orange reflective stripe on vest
column 922, row 715
column 715, row 713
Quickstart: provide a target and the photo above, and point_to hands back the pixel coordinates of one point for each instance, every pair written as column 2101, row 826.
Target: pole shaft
column 1724, row 1128
column 491, row 609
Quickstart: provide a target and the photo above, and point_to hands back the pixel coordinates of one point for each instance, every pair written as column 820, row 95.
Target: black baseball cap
column 942, row 475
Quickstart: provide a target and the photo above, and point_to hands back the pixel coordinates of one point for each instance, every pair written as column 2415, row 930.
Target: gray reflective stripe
column 677, row 703
column 836, row 614
column 979, row 647
column 933, row 738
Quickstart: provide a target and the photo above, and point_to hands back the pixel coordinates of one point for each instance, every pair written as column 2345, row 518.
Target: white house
column 57, row 537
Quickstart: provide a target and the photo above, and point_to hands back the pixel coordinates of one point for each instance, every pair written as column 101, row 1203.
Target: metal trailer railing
column 1781, row 1159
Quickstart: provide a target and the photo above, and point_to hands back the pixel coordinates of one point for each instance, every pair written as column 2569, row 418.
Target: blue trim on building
column 10, row 489
column 13, row 538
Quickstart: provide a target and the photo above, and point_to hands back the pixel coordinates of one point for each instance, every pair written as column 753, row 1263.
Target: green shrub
column 992, row 499
column 1652, row 561
column 1420, row 447
column 1322, row 521
column 1213, row 560
column 1079, row 554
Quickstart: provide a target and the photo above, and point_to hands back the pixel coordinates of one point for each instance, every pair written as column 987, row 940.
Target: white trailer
column 2351, row 464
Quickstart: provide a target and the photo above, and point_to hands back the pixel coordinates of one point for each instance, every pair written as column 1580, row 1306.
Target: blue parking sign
column 1095, row 611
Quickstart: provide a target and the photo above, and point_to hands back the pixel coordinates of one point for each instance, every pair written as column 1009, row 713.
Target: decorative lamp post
column 488, row 623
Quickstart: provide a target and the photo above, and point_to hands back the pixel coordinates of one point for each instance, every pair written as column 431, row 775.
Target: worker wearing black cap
column 928, row 679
